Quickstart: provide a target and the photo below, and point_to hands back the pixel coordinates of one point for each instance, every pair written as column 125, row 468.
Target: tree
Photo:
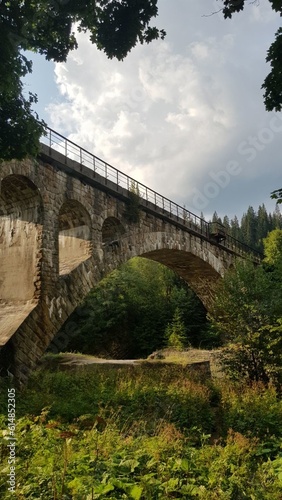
column 20, row 130
column 263, row 224
column 216, row 218
column 277, row 195
column 226, row 223
column 248, row 314
column 249, row 227
column 276, row 218
column 254, row 226
column 46, row 27
column 273, row 248
column 175, row 332
column 235, row 228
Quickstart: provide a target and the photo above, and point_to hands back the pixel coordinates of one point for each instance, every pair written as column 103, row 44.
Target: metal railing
column 170, row 209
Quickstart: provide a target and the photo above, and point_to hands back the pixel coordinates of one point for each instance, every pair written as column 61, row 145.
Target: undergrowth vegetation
column 143, row 433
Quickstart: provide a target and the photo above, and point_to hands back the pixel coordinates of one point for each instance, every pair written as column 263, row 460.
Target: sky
column 185, row 116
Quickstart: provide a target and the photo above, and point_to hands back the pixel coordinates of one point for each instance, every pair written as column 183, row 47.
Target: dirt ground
column 65, row 361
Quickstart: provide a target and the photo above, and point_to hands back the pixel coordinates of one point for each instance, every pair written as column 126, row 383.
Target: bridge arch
column 200, row 264
column 21, row 223
column 75, row 236
column 112, row 230
column 199, row 275
column 21, row 198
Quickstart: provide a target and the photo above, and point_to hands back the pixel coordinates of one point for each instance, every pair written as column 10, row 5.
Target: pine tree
column 249, row 227
column 226, row 223
column 235, row 228
column 276, row 218
column 216, row 218
column 175, row 331
column 254, row 226
column 263, row 226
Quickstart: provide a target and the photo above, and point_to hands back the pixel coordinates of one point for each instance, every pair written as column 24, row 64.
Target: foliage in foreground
column 134, row 434
column 248, row 314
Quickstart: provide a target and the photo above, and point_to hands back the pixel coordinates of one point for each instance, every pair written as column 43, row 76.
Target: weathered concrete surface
column 18, row 245
column 12, row 315
column 71, row 232
column 20, row 251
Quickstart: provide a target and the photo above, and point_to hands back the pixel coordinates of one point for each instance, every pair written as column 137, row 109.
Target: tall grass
column 138, row 433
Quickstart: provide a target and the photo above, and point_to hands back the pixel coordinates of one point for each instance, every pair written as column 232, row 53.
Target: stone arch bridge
column 67, row 220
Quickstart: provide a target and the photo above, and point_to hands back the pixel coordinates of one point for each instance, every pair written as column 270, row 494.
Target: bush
column 253, row 411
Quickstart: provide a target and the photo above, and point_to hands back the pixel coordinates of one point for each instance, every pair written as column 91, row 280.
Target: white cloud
column 169, row 116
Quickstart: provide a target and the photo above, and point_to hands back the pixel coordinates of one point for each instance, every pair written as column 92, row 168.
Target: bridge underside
column 199, row 275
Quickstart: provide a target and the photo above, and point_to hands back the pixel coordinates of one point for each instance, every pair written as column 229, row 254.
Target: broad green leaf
column 135, row 492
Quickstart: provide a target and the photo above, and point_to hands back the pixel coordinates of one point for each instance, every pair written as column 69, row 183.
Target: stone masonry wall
column 55, row 295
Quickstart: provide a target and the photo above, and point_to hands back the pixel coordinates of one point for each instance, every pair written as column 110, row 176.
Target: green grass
column 138, row 433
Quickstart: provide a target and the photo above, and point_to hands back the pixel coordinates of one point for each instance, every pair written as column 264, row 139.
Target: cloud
column 168, row 116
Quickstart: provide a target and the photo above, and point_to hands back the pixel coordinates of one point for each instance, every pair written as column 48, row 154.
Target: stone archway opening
column 112, row 231
column 198, row 273
column 74, row 236
column 21, row 222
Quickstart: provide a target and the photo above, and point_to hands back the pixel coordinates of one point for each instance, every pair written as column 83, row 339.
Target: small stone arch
column 75, row 236
column 21, row 198
column 112, row 231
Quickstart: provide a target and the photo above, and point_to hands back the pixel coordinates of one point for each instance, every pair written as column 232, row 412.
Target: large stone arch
column 199, row 275
column 21, row 222
column 199, row 263
column 75, row 234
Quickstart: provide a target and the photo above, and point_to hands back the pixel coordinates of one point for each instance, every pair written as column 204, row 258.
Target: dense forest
column 143, row 306
column 254, row 225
